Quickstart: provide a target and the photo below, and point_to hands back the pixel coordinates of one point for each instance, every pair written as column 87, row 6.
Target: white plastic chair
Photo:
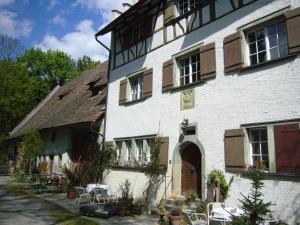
column 211, row 215
column 194, row 218
column 81, row 193
column 101, row 196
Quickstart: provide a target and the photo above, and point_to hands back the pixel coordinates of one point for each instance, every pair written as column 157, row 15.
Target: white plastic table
column 91, row 187
column 223, row 215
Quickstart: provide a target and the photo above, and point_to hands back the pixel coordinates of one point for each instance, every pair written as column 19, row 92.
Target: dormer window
column 186, row 5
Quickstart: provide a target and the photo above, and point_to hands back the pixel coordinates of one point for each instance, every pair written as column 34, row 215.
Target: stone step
column 4, row 170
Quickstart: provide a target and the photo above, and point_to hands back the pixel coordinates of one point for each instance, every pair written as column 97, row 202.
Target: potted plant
column 126, row 199
column 71, row 173
column 138, row 206
column 163, row 213
column 217, row 179
column 191, row 199
column 175, row 216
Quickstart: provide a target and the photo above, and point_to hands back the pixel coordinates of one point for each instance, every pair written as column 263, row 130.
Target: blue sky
column 67, row 25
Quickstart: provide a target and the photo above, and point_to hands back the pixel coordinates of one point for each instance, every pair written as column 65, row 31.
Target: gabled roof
column 70, row 104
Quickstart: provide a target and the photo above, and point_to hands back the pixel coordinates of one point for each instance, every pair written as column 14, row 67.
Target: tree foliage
column 253, row 205
column 85, row 63
column 16, row 91
column 51, row 67
column 31, row 146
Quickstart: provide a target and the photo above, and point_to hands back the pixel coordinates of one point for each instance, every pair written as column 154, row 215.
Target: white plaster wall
column 263, row 94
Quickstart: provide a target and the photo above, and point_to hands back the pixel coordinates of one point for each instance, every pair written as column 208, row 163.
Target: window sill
column 270, row 62
column 135, row 101
column 138, row 168
column 187, row 86
column 275, row 176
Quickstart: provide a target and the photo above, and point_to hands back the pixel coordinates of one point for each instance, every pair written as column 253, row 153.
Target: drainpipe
column 108, row 75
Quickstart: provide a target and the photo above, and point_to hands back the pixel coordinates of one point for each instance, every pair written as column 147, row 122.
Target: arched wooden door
column 190, row 170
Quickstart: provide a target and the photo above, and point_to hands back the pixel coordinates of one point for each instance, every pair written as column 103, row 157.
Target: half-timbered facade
column 219, row 82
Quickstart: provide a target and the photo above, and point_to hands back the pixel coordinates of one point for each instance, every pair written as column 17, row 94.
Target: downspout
column 107, row 82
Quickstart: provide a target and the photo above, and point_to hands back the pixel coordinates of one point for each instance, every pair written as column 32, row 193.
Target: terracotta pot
column 71, row 194
column 175, row 220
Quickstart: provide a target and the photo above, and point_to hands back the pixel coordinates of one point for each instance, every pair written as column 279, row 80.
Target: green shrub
column 216, row 174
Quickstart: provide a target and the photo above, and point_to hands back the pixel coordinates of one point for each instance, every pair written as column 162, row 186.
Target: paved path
column 15, row 210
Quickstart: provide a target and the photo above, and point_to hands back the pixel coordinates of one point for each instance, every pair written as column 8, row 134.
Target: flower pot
column 71, row 194
column 175, row 220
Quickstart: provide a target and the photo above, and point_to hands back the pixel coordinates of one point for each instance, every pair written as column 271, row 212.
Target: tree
column 17, row 92
column 253, row 205
column 85, row 63
column 31, row 146
column 50, row 67
column 9, row 47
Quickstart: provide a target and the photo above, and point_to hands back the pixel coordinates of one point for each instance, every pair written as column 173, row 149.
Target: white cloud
column 78, row 43
column 58, row 20
column 6, row 2
column 103, row 7
column 52, row 4
column 10, row 26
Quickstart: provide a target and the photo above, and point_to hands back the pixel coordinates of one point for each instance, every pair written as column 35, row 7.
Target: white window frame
column 190, row 66
column 185, row 10
column 259, row 142
column 271, row 146
column 139, row 150
column 266, row 39
column 129, row 151
column 140, row 90
column 195, row 49
column 119, row 145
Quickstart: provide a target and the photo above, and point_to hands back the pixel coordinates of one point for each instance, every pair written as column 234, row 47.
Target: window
column 137, row 152
column 140, row 152
column 258, row 138
column 119, row 149
column 189, row 69
column 150, row 145
column 186, row 5
column 267, row 43
column 136, row 87
column 129, row 150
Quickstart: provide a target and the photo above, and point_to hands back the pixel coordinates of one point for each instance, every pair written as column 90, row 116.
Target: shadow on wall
column 221, row 23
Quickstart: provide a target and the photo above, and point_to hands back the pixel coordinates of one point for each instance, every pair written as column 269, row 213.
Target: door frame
column 176, row 168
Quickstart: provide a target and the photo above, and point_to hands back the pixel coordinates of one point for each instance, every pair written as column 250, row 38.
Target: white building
column 220, row 80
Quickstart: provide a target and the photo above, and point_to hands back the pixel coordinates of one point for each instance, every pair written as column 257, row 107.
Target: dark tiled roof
column 70, row 104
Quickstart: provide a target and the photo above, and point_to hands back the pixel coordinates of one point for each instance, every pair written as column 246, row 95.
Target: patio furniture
column 215, row 212
column 81, row 193
column 91, row 187
column 220, row 212
column 194, row 218
column 101, row 196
